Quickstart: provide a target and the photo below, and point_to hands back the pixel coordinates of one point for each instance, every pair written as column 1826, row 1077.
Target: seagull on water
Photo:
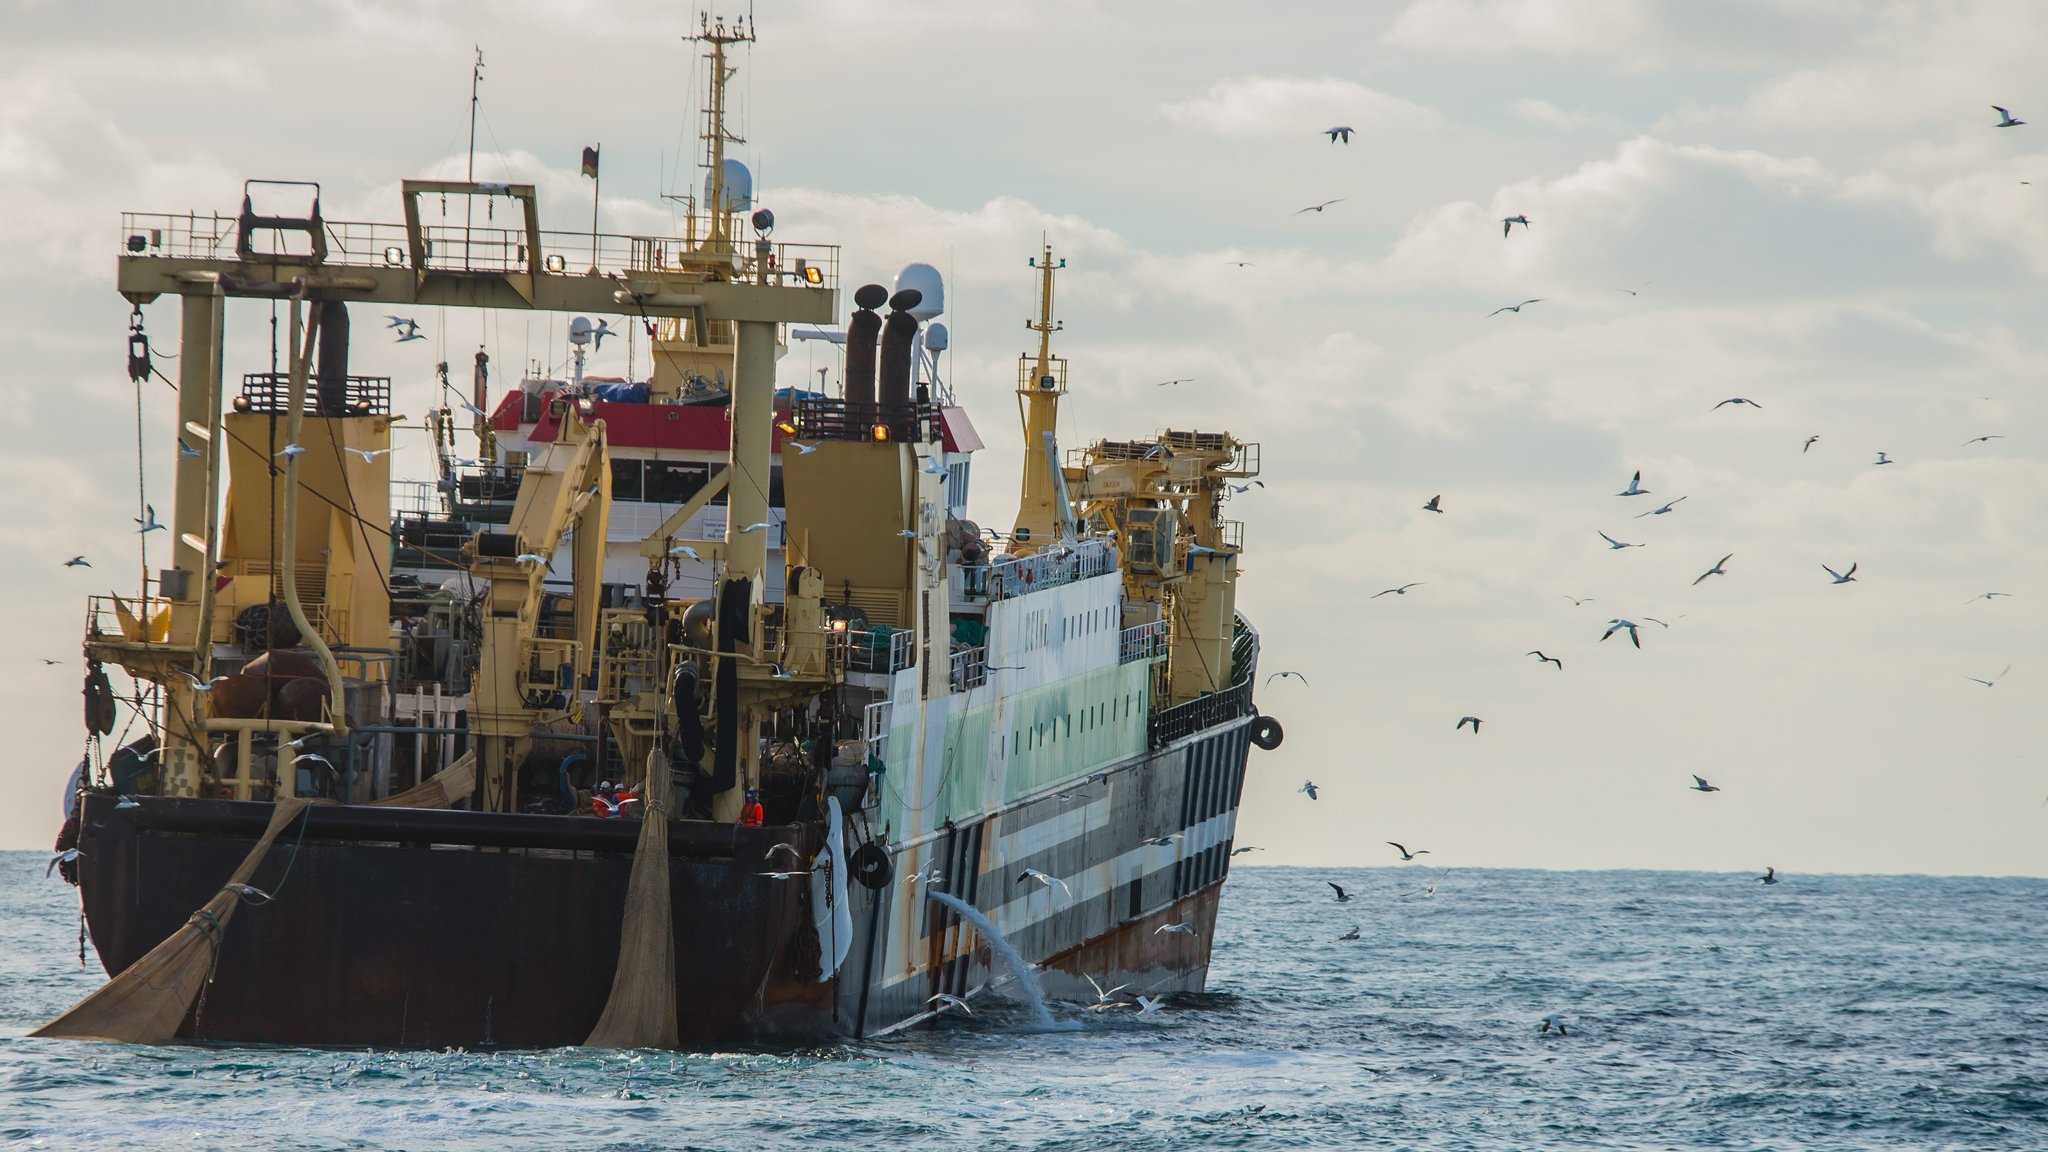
column 1554, row 1020
column 1342, row 895
column 1659, row 511
column 1434, row 504
column 1738, row 400
column 1884, row 459
column 1351, row 935
column 1280, row 675
column 1614, row 626
column 947, row 1000
column 1841, row 577
column 1181, row 929
column 1809, row 443
column 1542, row 659
column 1308, row 786
column 1043, row 878
column 1719, row 569
column 1770, row 876
column 1401, row 591
column 1635, row 486
column 1515, row 308
column 1319, row 207
column 1147, row 1004
column 1341, row 132
column 2005, row 119
column 82, row 562
column 1616, row 544
column 1989, row 683
column 1464, row 720
column 1507, row 224
column 1406, row 855
column 1699, row 784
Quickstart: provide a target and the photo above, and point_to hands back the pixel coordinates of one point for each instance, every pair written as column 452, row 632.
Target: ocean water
column 1704, row 1011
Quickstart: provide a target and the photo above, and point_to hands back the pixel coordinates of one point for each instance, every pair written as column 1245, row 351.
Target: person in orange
column 751, row 814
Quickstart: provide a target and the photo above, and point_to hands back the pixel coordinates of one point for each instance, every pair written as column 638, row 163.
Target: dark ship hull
column 393, row 927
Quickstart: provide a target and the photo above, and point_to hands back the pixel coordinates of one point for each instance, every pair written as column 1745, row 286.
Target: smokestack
column 897, row 334
column 861, row 333
column 331, row 368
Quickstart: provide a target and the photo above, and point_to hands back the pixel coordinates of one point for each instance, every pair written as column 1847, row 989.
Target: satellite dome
column 739, row 188
column 935, row 337
column 925, row 279
column 579, row 331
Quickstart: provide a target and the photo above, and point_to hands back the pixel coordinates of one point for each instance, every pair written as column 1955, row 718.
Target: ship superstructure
column 757, row 617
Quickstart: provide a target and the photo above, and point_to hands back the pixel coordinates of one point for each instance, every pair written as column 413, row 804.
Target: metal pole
column 596, row 189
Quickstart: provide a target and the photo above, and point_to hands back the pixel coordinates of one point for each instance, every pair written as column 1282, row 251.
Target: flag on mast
column 590, row 163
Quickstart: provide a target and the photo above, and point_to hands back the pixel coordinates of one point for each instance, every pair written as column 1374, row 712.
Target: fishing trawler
column 469, row 786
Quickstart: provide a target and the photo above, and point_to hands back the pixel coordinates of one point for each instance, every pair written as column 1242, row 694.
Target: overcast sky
column 1807, row 197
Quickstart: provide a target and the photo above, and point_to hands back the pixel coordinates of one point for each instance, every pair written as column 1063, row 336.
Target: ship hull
column 434, row 928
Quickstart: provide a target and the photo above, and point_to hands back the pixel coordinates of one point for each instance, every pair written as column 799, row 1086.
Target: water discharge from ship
column 1027, row 980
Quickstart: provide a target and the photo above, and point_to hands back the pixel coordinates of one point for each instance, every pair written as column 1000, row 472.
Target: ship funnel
column 331, row 369
column 861, row 333
column 898, row 334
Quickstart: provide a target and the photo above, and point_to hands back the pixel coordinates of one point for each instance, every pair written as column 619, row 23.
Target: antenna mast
column 714, row 31
column 476, row 79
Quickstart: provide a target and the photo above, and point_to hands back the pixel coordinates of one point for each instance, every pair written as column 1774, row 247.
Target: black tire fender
column 1266, row 733
column 871, row 866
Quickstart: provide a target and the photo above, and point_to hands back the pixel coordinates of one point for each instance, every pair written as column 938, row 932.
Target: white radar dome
column 935, row 337
column 925, row 279
column 739, row 188
column 579, row 331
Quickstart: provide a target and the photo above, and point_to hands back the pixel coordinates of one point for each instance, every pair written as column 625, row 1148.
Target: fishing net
column 641, row 1012
column 146, row 1003
column 455, row 782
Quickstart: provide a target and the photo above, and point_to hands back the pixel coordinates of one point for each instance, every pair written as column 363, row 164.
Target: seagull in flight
column 408, row 332
column 1181, row 929
column 1515, row 308
column 1738, row 400
column 2005, row 119
column 472, row 409
column 1341, row 132
column 1616, row 544
column 1464, row 720
column 1240, row 263
column 1342, row 895
column 1699, row 784
column 187, row 451
column 82, row 562
column 149, row 521
column 783, row 875
column 1241, row 489
column 780, row 847
column 597, row 334
column 1401, row 591
column 1149, row 1004
column 801, row 449
column 399, row 321
column 1982, row 439
column 1720, row 568
column 198, row 685
column 289, row 451
column 1171, row 383
column 1770, row 876
column 1434, row 504
column 1988, row 683
column 1406, row 855
column 1161, row 841
column 761, row 527
column 1986, row 596
column 1507, row 224
column 1308, row 786
column 1884, row 459
column 1043, row 878
column 1279, row 675
column 49, row 663
column 1245, row 849
column 1542, row 659
column 1614, row 626
column 1577, row 600
column 947, row 1000
column 1102, row 996
column 1635, row 486
column 1659, row 511
column 936, row 468
column 684, row 550
column 65, row 857
column 368, row 454
column 1319, row 207
column 1841, row 577
column 1554, row 1020
column 531, row 558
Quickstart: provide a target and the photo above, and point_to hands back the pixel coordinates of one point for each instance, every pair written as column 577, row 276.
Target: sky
column 1800, row 202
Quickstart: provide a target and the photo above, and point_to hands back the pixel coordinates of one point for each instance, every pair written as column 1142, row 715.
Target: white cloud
column 1549, row 115
column 1497, row 27
column 1259, row 105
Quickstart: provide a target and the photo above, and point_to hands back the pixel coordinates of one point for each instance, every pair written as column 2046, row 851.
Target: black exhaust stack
column 897, row 334
column 331, row 371
column 861, row 333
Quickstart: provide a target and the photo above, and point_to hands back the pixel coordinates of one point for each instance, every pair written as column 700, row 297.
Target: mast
column 714, row 31
column 1040, row 384
column 476, row 79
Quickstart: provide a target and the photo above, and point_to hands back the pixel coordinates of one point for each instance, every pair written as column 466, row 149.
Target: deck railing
column 1009, row 576
column 1142, row 642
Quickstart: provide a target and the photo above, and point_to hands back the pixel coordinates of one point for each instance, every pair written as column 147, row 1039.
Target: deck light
column 394, row 256
column 813, row 274
column 881, row 433
column 556, row 263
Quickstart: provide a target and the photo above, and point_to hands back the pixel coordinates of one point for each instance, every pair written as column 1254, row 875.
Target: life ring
column 871, row 866
column 1266, row 733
